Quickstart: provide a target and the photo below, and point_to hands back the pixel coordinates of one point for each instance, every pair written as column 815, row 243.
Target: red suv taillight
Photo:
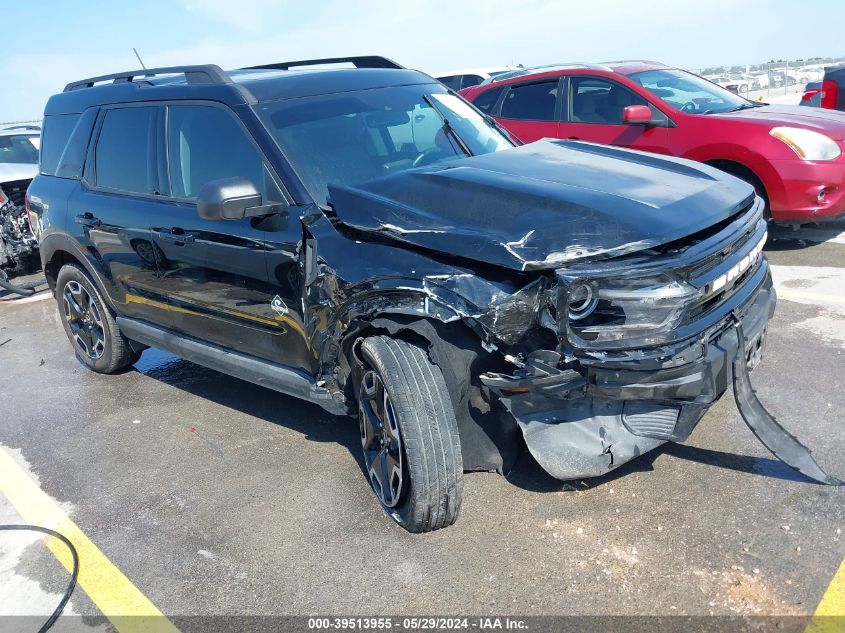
column 809, row 94
column 830, row 94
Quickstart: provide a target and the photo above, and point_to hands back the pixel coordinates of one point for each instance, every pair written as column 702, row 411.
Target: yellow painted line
column 830, row 614
column 129, row 610
column 789, row 293
column 130, row 298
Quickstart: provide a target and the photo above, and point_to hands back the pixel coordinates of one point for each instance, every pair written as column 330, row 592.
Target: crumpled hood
column 830, row 122
column 10, row 172
column 543, row 204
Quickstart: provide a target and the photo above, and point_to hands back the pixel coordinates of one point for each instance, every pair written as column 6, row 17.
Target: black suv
column 365, row 239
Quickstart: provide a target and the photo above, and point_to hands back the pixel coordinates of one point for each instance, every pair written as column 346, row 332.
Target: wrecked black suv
column 364, row 239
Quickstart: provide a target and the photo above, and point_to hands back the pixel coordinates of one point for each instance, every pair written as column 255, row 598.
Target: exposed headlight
column 807, row 144
column 583, row 299
column 641, row 311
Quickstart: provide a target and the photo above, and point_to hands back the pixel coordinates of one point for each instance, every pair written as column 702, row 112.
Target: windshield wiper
column 745, row 106
column 742, row 106
column 447, row 127
column 495, row 125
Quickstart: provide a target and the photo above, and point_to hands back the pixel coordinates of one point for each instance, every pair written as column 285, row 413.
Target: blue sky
column 47, row 43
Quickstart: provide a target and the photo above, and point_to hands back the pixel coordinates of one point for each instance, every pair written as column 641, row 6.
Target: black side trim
column 254, row 370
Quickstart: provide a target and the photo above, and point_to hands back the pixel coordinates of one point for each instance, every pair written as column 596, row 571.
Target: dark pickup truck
column 365, row 239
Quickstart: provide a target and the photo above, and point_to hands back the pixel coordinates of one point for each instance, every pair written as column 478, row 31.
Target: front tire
column 90, row 325
column 412, row 450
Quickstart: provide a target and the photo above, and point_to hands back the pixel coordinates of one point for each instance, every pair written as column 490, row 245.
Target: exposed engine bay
column 18, row 245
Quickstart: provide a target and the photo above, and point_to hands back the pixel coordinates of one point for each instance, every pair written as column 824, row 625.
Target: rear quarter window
column 54, row 137
column 73, row 158
column 487, row 99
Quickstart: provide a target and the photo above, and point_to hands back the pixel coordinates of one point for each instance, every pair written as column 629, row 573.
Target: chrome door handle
column 171, row 236
column 87, row 219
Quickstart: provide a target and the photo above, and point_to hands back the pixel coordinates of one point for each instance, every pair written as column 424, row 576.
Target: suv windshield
column 353, row 137
column 19, row 148
column 689, row 92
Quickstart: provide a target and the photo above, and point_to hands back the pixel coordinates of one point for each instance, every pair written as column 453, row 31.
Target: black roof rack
column 366, row 61
column 204, row 74
column 22, row 127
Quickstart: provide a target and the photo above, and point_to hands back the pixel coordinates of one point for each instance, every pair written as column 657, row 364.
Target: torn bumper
column 588, row 422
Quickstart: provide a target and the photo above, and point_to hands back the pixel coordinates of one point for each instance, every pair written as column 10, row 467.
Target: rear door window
column 531, row 102
column 124, row 158
column 205, row 143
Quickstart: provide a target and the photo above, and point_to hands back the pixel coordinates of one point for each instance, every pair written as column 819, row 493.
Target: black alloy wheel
column 381, row 440
column 84, row 320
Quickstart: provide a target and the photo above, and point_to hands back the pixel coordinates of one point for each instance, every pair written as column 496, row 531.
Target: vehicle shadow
column 316, row 424
column 786, row 238
column 529, row 475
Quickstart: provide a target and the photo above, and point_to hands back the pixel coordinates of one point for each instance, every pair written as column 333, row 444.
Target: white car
column 728, row 83
column 742, row 83
column 760, row 79
column 19, row 146
column 466, row 77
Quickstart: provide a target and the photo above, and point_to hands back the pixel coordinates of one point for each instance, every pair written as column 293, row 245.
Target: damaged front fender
column 364, row 279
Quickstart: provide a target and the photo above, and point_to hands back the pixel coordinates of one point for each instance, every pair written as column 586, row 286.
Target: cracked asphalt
column 215, row 496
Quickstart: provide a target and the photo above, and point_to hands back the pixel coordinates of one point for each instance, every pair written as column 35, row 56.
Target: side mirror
column 229, row 199
column 636, row 114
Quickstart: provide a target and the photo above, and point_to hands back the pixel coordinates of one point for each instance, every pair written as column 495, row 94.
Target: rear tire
column 404, row 404
column 89, row 323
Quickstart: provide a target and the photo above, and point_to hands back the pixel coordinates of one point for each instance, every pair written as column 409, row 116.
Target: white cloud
column 432, row 36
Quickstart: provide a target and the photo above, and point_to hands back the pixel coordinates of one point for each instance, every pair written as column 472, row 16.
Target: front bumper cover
column 586, row 423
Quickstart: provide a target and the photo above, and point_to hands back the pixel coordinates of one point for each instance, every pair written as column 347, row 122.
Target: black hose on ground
column 73, row 576
column 25, row 290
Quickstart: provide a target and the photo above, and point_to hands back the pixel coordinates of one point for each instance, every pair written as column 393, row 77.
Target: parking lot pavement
column 214, row 496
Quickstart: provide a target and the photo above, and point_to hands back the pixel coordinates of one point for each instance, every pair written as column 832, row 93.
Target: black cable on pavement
column 25, row 290
column 74, row 573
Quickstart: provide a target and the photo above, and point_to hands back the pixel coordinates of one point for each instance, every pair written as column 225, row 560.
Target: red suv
column 794, row 157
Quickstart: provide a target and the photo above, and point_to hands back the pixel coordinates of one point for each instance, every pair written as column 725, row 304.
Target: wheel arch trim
column 59, row 244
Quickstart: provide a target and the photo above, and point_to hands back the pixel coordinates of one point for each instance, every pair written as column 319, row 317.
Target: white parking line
column 820, row 286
